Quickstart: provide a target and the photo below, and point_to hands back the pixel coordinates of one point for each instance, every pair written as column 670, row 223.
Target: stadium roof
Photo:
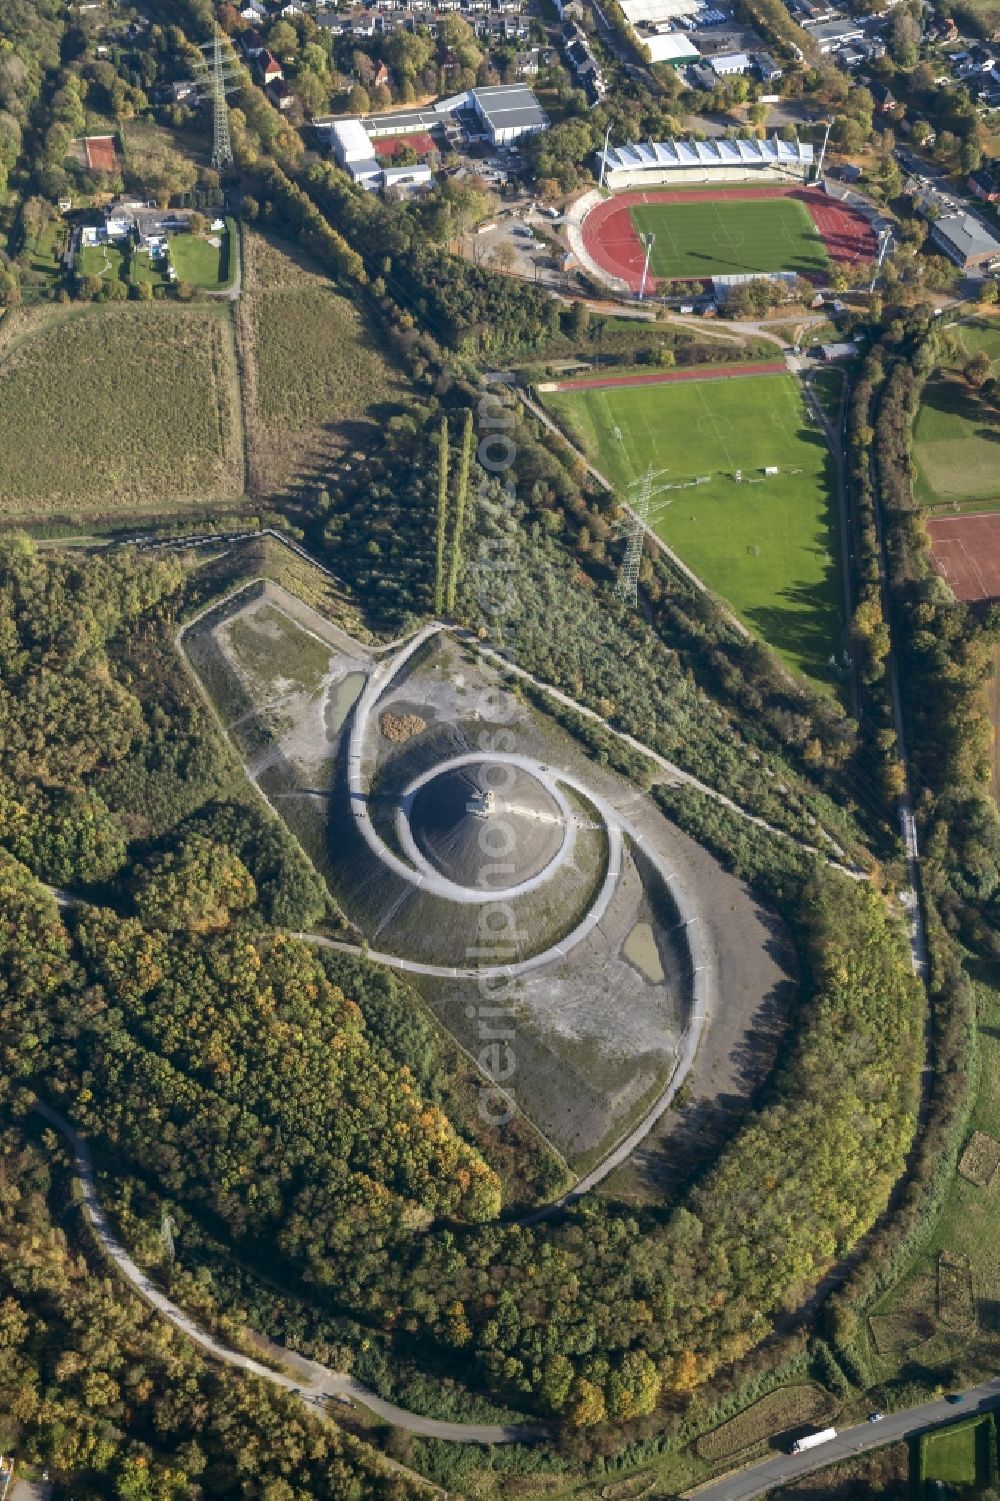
column 511, row 104
column 671, row 47
column 657, row 155
column 649, row 12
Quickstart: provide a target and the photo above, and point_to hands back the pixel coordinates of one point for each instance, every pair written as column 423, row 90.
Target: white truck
column 812, row 1439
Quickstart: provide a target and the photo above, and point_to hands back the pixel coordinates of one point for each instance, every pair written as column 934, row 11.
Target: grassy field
column 956, row 433
column 113, row 411
column 720, row 239
column 769, row 548
column 315, row 379
column 46, row 251
column 789, row 1407
column 882, row 1475
column 200, row 262
column 960, row 1454
column 946, row 1308
column 104, row 261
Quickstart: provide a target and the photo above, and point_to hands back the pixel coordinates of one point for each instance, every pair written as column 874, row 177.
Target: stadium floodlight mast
column 219, row 74
column 884, row 241
column 822, row 154
column 649, row 241
column 604, row 156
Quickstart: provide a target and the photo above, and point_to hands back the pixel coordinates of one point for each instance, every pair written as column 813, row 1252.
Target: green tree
column 442, row 518
column 461, row 499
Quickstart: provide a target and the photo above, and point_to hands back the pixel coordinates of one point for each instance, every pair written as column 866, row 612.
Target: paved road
column 782, row 1468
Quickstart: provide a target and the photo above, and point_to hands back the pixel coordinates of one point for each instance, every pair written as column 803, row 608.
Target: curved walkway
column 313, row 1382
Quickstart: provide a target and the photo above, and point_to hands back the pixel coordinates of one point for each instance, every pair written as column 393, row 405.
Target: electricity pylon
column 633, row 526
column 218, row 75
column 641, row 507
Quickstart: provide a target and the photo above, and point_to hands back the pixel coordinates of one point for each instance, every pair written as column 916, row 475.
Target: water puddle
column 640, row 948
column 341, row 700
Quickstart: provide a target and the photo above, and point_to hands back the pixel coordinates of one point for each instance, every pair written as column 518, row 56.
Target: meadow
column 766, row 545
column 956, row 433
column 959, row 1455
column 731, row 237
column 72, row 444
column 315, row 379
column 784, row 1409
column 921, row 1318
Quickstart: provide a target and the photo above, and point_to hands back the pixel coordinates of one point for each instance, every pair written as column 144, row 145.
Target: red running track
column 966, row 552
column 667, row 377
column 611, row 238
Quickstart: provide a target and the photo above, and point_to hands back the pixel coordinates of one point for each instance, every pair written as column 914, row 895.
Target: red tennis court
column 102, row 154
column 612, row 239
column 421, row 143
column 966, row 551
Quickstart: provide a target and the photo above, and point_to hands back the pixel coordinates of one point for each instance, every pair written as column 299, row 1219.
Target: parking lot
column 517, row 241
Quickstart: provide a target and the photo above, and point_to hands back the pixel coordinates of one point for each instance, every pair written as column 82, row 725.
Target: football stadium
column 720, row 208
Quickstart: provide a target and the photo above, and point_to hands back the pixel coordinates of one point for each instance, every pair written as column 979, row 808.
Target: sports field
column 769, row 544
column 723, row 237
column 957, row 431
column 741, row 230
column 955, row 446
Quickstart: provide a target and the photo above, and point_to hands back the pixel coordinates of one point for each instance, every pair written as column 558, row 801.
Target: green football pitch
column 730, row 237
column 956, row 433
column 767, row 544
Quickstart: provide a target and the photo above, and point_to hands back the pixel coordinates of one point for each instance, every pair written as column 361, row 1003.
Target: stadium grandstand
column 646, row 164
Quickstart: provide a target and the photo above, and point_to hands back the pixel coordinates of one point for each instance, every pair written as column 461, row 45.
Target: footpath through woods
column 316, row 1384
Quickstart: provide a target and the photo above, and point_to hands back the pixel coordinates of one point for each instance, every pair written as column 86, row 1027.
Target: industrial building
column 643, row 164
column 672, row 47
column 730, row 64
column 508, row 112
column 655, row 12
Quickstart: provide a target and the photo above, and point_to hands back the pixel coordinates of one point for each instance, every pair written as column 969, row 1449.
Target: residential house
column 529, row 63
column 252, row 43
column 269, row 70
column 985, row 183
column 883, row 97
column 280, row 95
column 184, row 91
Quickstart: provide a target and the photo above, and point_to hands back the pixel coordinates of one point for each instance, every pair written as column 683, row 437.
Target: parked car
column 953, row 1398
column 875, row 1417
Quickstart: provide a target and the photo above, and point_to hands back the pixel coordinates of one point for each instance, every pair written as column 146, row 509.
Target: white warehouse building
column 644, row 164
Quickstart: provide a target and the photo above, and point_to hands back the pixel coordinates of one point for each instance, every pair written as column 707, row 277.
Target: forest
column 93, row 1386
